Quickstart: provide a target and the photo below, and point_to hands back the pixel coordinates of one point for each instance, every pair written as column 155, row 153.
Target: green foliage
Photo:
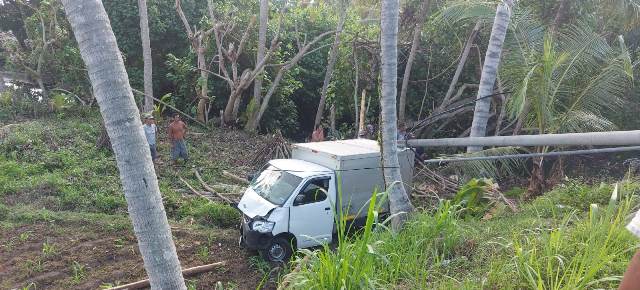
column 53, row 164
column 575, row 247
column 79, row 272
column 4, row 211
column 588, row 254
column 470, row 196
column 210, row 213
column 570, row 80
column 48, row 250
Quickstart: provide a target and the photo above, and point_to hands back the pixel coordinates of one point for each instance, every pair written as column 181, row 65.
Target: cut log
column 192, row 189
column 185, row 272
column 207, row 187
column 235, row 177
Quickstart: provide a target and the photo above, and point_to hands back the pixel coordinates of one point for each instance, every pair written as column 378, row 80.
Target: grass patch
column 52, row 163
column 559, row 241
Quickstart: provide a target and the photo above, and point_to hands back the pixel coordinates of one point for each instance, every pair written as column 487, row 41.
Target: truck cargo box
column 358, row 168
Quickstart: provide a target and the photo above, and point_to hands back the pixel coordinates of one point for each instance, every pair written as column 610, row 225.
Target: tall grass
column 376, row 256
column 576, row 247
column 583, row 253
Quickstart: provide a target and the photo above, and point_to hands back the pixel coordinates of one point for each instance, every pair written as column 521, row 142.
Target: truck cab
column 294, row 203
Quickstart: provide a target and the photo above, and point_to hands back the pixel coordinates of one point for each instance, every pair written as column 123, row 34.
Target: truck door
column 311, row 214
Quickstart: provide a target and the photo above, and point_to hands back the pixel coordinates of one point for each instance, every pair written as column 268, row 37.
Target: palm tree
column 399, row 203
column 490, row 71
column 565, row 84
column 111, row 88
column 146, row 55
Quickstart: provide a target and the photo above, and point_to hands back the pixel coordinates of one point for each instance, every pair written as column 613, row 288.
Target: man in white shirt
column 150, row 132
column 631, row 279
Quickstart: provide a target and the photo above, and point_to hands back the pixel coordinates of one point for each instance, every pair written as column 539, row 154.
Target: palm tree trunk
column 399, row 203
column 333, row 55
column 111, row 88
column 490, row 71
column 146, row 55
column 415, row 43
column 262, row 39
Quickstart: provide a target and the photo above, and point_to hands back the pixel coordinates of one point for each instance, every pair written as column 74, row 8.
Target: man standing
column 177, row 130
column 150, row 132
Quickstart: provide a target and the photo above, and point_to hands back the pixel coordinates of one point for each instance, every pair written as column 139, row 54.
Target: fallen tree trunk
column 185, row 272
column 192, row 189
column 235, row 177
column 207, row 187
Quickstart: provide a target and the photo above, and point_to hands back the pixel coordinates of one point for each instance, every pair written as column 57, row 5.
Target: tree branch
column 187, row 27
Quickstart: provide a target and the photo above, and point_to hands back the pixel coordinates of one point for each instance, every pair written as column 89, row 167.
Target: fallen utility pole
column 614, row 138
column 531, row 155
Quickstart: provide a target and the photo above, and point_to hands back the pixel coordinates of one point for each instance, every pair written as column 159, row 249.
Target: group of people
column 176, row 133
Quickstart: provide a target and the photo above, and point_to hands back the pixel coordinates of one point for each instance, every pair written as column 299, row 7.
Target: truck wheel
column 278, row 251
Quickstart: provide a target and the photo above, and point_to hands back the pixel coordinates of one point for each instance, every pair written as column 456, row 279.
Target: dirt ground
column 79, row 255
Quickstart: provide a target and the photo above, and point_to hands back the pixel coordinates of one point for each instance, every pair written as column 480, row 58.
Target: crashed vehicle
column 295, row 203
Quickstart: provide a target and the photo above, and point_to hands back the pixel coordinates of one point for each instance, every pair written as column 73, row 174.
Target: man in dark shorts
column 177, row 131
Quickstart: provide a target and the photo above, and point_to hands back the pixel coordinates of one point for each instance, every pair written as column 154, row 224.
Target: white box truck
column 293, row 203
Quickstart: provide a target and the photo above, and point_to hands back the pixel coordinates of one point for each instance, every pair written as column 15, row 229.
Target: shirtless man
column 177, row 131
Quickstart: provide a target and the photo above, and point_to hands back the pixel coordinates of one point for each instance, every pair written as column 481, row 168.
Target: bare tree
column 237, row 83
column 146, row 55
column 261, row 105
column 199, row 39
column 415, row 43
column 399, row 203
column 111, row 88
column 331, row 62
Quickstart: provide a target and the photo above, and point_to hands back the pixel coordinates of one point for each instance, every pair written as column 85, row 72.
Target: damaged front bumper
column 251, row 239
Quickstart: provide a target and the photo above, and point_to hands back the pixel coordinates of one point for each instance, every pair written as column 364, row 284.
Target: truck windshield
column 275, row 185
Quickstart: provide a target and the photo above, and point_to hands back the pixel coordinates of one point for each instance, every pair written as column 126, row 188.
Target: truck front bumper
column 252, row 239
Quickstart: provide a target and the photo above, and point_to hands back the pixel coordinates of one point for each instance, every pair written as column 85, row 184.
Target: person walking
column 177, row 132
column 150, row 132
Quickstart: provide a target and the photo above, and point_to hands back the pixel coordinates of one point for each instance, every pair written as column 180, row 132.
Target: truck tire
column 278, row 251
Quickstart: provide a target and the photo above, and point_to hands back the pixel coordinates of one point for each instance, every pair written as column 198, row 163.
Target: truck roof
column 299, row 168
column 343, row 149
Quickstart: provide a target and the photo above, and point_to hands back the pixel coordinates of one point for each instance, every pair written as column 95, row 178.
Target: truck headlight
column 262, row 226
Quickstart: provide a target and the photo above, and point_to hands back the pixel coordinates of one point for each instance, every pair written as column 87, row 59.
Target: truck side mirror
column 298, row 200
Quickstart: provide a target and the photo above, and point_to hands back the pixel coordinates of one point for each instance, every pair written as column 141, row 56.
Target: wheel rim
column 277, row 252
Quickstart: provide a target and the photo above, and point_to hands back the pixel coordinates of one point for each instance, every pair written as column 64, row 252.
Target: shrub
column 211, row 213
column 109, row 203
column 4, row 211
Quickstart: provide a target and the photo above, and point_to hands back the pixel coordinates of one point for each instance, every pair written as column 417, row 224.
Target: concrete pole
column 614, row 138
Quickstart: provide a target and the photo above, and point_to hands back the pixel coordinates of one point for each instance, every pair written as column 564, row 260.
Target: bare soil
column 79, row 255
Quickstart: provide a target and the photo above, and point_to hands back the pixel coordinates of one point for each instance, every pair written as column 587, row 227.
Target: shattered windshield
column 275, row 185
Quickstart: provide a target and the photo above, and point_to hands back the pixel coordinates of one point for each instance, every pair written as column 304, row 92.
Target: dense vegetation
column 572, row 238
column 599, row 40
